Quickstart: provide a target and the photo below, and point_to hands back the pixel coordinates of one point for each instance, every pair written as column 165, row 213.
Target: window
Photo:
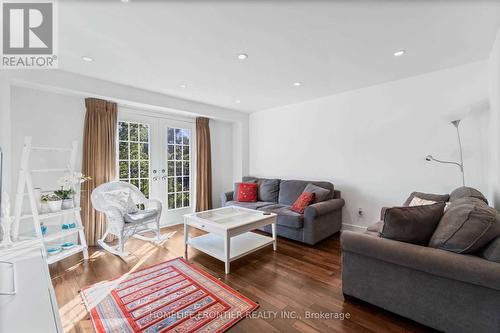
column 133, row 154
column 178, row 167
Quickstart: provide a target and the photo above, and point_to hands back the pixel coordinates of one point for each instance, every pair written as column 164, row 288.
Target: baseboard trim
column 353, row 227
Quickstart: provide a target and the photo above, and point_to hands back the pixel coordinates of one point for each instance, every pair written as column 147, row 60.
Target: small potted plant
column 53, row 201
column 68, row 184
column 67, row 198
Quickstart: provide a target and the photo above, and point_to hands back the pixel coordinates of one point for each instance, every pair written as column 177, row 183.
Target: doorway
column 156, row 155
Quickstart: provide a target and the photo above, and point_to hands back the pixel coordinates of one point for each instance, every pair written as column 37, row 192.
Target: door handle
column 155, row 178
column 163, row 170
column 164, row 178
column 154, row 171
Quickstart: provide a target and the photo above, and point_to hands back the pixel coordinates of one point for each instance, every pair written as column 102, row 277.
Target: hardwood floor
column 295, row 279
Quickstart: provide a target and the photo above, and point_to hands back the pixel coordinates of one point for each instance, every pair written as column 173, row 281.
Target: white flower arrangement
column 67, row 183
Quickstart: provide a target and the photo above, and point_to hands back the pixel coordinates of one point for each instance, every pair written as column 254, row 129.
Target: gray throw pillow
column 320, row 194
column 467, row 226
column 268, row 190
column 427, row 196
column 467, row 192
column 412, row 224
column 492, row 251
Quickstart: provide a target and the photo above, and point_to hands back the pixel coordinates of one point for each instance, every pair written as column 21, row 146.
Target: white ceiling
column 328, row 46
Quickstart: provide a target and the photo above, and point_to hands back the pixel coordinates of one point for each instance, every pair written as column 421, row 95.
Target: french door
column 156, row 155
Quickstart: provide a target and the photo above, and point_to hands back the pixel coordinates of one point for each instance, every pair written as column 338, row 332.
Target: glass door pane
column 178, row 168
column 134, row 154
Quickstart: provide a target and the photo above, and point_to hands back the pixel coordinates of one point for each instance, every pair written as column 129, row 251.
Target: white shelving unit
column 25, row 189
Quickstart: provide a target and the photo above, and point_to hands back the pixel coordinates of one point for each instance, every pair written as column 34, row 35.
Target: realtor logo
column 28, row 32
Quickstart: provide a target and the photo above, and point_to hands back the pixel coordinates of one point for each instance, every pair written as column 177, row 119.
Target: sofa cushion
column 290, row 190
column 268, row 190
column 120, row 199
column 250, row 205
column 286, row 216
column 464, row 192
column 492, row 251
column 427, row 196
column 140, row 216
column 412, row 224
column 467, row 225
column 320, row 193
column 247, row 192
column 250, row 179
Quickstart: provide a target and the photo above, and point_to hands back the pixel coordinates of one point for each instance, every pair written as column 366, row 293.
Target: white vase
column 55, row 206
column 68, row 203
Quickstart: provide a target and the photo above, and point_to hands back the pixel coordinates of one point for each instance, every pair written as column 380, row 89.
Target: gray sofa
column 319, row 221
column 448, row 291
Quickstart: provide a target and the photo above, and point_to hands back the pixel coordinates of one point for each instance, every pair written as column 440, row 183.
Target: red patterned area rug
column 173, row 296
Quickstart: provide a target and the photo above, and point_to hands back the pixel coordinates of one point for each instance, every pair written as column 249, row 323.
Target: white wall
column 371, row 142
column 221, row 136
column 5, row 130
column 52, row 120
column 494, row 81
column 56, row 119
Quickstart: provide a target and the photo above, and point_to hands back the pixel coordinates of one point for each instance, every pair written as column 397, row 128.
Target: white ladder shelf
column 25, row 182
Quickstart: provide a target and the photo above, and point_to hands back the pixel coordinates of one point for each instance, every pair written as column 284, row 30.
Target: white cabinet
column 32, row 306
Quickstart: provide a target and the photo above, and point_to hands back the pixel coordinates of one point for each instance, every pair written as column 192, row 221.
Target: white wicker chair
column 121, row 225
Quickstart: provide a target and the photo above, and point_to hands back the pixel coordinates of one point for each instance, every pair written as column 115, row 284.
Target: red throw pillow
column 247, row 192
column 305, row 199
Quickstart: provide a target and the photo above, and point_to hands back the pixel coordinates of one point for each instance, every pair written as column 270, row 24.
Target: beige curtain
column 203, row 165
column 99, row 160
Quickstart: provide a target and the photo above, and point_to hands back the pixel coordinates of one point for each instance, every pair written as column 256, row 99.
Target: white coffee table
column 229, row 235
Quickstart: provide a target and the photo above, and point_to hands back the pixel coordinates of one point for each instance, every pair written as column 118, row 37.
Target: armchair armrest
column 225, row 197
column 323, row 208
column 154, row 204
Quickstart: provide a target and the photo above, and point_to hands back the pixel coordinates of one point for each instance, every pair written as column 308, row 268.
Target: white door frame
column 158, row 157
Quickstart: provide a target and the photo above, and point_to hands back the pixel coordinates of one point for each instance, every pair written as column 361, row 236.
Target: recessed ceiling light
column 399, row 53
column 183, row 86
column 242, row 56
column 87, row 59
column 297, row 84
column 237, row 101
column 124, row 0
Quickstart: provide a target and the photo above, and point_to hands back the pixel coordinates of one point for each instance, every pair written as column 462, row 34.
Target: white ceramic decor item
column 68, row 203
column 55, row 206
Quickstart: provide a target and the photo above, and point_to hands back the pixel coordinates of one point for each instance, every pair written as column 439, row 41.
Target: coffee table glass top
column 228, row 217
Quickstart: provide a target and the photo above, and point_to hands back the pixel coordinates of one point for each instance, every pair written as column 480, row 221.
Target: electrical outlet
column 360, row 212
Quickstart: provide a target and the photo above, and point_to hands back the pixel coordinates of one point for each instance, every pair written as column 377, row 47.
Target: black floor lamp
column 461, row 164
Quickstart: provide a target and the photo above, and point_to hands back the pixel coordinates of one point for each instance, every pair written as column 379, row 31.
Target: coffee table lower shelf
column 241, row 245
